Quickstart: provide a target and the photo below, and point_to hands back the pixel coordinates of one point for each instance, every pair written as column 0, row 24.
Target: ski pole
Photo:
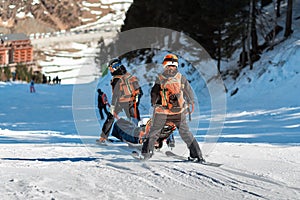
column 190, row 115
column 135, row 107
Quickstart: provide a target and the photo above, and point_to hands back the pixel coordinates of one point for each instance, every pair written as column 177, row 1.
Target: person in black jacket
column 126, row 94
column 102, row 102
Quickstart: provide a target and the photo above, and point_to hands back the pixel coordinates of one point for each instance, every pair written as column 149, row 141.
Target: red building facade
column 14, row 49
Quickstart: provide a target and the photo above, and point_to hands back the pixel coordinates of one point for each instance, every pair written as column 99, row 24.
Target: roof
column 14, row 36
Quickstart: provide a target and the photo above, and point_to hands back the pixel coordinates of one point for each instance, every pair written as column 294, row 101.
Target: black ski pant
column 107, row 125
column 180, row 121
column 101, row 112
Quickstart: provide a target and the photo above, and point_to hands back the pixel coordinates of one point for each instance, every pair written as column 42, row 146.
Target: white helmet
column 170, row 59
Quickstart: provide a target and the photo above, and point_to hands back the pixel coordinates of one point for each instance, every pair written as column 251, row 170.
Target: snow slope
column 44, row 156
column 69, row 171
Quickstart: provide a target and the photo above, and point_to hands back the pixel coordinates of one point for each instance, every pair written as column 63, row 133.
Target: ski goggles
column 170, row 61
column 115, row 65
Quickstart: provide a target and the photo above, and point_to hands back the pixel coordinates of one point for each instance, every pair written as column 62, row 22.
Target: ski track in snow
column 197, row 179
column 110, row 172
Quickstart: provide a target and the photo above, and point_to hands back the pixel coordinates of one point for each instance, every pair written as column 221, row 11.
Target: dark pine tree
column 288, row 24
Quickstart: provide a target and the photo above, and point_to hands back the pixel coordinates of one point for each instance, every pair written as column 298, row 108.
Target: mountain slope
column 32, row 16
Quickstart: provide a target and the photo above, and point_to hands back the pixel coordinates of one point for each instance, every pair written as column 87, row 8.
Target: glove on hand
column 112, row 109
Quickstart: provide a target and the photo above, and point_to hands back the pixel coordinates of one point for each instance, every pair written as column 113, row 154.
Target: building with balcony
column 15, row 49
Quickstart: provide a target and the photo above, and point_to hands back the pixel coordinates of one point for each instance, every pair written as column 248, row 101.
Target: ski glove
column 112, row 109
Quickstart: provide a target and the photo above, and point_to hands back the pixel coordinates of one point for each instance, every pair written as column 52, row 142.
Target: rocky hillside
column 32, row 16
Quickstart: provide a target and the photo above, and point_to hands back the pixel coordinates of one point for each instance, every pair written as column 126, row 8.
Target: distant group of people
column 50, row 81
column 55, row 80
column 171, row 98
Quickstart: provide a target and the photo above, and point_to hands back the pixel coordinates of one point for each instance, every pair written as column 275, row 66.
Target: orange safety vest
column 171, row 93
column 129, row 87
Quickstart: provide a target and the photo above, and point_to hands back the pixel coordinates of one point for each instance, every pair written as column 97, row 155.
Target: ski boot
column 101, row 140
column 196, row 159
column 158, row 145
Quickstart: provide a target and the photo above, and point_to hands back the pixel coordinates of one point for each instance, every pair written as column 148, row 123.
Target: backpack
column 171, row 92
column 129, row 87
column 104, row 99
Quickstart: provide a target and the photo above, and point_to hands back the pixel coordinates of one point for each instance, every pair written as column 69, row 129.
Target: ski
column 110, row 142
column 134, row 145
column 118, row 143
column 104, row 143
column 136, row 155
column 183, row 158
